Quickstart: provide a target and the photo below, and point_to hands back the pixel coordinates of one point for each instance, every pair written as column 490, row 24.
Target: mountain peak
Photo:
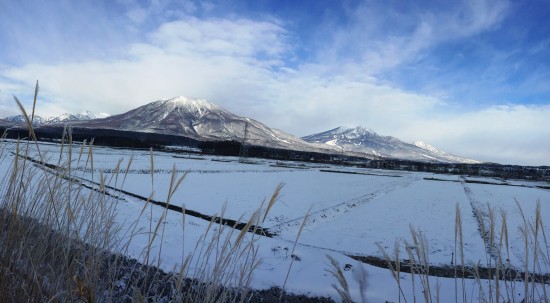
column 364, row 130
column 340, row 130
column 364, row 140
column 192, row 106
column 190, row 102
column 92, row 115
column 358, row 130
column 200, row 120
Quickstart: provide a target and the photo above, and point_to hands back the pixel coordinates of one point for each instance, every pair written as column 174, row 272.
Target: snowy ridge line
column 215, row 219
column 357, row 173
column 365, row 141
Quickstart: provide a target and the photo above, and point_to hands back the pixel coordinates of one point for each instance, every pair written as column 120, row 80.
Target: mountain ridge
column 66, row 117
column 199, row 119
column 365, row 140
column 202, row 120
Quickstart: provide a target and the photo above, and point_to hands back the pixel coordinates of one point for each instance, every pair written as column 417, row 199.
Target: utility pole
column 242, row 152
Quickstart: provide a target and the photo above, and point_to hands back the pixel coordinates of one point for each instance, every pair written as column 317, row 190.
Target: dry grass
column 53, row 237
column 57, row 241
column 61, row 242
column 342, row 288
column 504, row 281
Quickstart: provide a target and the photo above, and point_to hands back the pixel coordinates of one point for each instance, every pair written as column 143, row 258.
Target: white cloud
column 217, row 59
column 511, row 134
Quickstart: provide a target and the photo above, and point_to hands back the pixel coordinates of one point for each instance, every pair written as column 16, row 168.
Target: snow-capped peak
column 364, row 129
column 93, row 115
column 364, row 140
column 66, row 117
column 427, row 146
column 194, row 106
column 361, row 131
column 82, row 116
column 340, row 130
column 21, row 119
column 356, row 133
column 190, row 102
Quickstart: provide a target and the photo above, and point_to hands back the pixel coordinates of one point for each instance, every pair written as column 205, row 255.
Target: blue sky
column 469, row 77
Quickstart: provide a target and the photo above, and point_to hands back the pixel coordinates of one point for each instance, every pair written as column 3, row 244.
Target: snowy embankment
column 350, row 215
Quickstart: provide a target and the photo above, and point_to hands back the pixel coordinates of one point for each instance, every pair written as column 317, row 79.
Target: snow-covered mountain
column 83, row 116
column 18, row 119
column 198, row 119
column 451, row 158
column 202, row 120
column 363, row 140
column 5, row 123
column 38, row 120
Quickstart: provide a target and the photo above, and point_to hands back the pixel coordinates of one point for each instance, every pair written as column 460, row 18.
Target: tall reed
column 61, row 241
column 496, row 279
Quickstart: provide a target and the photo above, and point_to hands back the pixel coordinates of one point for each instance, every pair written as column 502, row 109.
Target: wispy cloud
column 383, row 37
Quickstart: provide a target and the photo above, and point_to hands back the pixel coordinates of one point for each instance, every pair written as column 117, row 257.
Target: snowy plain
column 351, row 211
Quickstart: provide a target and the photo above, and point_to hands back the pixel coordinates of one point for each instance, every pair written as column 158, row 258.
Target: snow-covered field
column 351, row 211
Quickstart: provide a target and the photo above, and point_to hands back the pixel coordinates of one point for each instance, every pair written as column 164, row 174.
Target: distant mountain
column 5, row 123
column 38, row 120
column 83, row 116
column 363, row 140
column 449, row 157
column 18, row 119
column 197, row 119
